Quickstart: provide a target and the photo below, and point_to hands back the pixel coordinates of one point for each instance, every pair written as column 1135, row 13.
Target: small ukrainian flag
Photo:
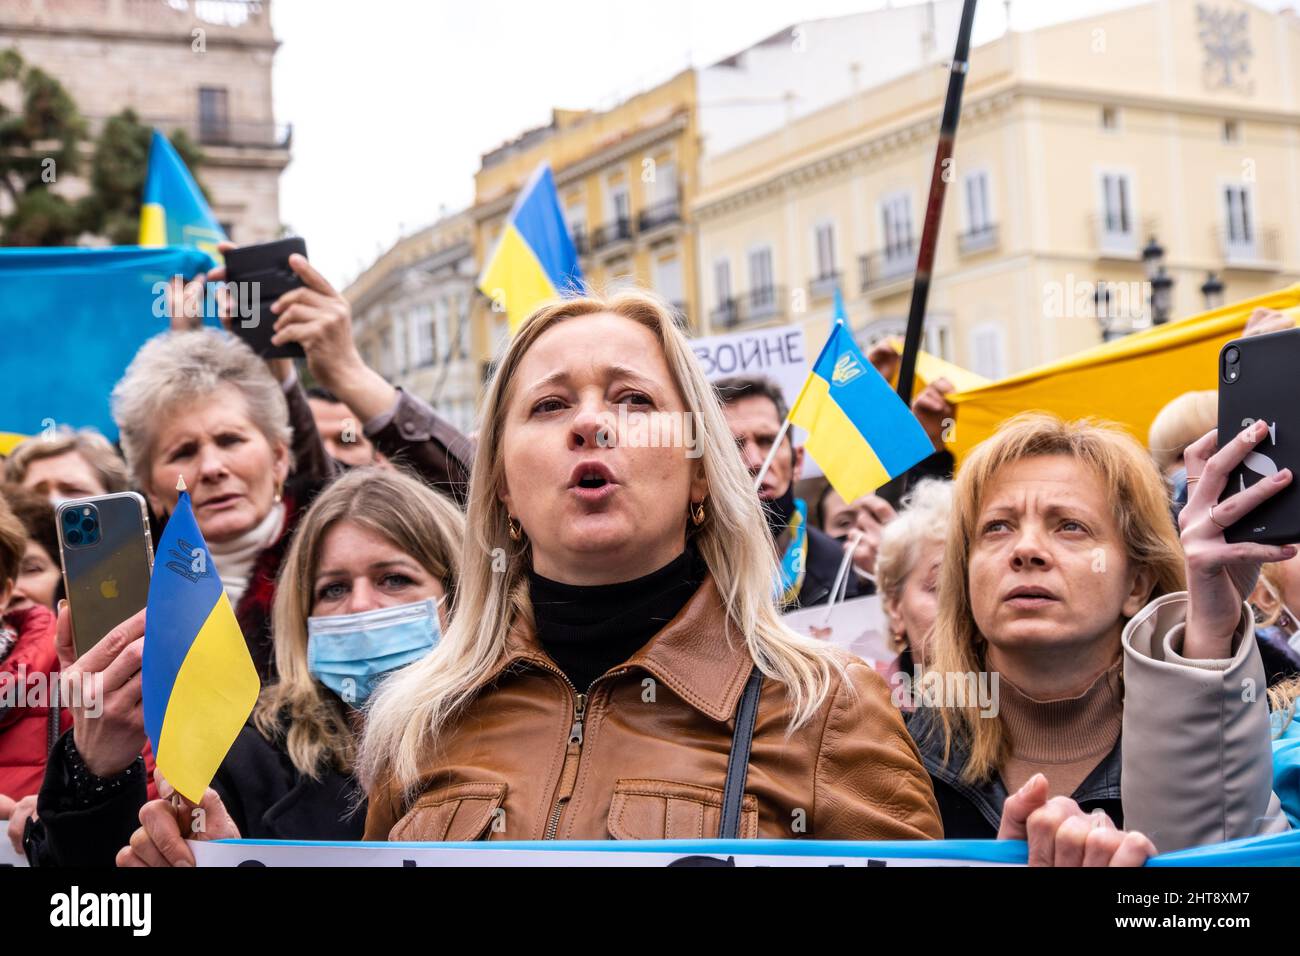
column 174, row 211
column 198, row 680
column 535, row 259
column 859, row 430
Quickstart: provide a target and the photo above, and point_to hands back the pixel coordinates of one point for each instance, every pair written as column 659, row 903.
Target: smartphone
column 107, row 557
column 1259, row 377
column 262, row 275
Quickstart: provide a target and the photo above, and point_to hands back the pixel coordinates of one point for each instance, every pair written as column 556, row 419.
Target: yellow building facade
column 1078, row 144
column 626, row 177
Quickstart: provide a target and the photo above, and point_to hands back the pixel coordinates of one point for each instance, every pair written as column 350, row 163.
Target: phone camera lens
column 89, row 525
column 74, row 536
column 1232, row 355
column 71, row 517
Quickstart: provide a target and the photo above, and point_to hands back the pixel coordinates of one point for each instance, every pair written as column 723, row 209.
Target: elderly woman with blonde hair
column 907, row 570
column 1182, row 421
column 1064, row 586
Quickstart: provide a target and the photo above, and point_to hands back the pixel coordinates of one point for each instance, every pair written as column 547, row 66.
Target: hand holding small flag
column 199, row 682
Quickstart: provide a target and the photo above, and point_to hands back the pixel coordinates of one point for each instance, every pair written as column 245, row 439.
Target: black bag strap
column 738, row 763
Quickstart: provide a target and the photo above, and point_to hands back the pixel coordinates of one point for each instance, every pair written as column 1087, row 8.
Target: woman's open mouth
column 592, row 481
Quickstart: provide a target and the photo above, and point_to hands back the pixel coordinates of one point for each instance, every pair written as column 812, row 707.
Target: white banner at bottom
column 585, row 853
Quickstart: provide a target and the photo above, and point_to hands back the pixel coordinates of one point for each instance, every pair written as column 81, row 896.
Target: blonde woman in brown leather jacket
column 615, row 603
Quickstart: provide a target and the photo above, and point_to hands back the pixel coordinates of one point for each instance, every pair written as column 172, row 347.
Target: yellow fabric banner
column 1126, row 381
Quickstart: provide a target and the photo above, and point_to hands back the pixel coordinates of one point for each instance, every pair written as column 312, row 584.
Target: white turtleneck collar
column 235, row 558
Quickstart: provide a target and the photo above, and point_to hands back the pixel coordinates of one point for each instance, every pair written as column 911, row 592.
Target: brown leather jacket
column 642, row 754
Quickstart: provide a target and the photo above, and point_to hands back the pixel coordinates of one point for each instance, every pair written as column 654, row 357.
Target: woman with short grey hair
column 201, row 405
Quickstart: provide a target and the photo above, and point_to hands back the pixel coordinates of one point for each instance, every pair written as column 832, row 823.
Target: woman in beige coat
column 1066, row 588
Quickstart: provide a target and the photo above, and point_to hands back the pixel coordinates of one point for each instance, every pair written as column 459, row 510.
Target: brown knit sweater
column 1063, row 739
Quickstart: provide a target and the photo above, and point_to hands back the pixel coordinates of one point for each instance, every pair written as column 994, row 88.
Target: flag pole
column 934, row 204
column 841, row 584
column 780, row 437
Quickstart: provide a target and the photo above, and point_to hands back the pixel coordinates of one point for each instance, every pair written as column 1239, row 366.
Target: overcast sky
column 393, row 101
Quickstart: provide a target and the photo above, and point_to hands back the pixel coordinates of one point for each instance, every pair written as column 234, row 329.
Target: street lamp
column 1212, row 291
column 1101, row 303
column 1162, row 285
column 1153, row 257
column 1162, row 289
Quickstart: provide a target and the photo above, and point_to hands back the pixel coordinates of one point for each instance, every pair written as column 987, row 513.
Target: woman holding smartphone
column 367, row 586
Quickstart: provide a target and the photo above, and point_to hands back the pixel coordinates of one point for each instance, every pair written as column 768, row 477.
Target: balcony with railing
column 666, row 212
column 611, row 234
column 765, row 302
column 217, row 132
column 726, row 314
column 983, row 238
column 885, row 269
column 824, row 286
column 1117, row 236
column 1255, row 249
column 762, row 304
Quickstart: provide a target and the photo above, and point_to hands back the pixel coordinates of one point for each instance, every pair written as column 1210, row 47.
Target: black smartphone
column 107, row 558
column 1259, row 377
column 261, row 275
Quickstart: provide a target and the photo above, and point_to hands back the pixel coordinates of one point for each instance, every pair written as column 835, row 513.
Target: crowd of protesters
column 538, row 632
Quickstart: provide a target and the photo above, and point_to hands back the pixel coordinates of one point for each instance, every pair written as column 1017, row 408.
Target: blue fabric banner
column 70, row 321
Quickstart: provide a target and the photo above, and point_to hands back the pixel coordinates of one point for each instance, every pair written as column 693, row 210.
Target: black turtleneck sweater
column 588, row 630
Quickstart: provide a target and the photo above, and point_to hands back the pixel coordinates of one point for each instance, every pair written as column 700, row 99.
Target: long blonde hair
column 423, row 524
column 1138, row 494
column 415, row 706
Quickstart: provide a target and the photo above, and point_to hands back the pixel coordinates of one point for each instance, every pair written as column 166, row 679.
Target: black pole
column 934, row 204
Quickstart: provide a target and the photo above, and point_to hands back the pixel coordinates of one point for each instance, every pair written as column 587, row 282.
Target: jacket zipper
column 573, row 752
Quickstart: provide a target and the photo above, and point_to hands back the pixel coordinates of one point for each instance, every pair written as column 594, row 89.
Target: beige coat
column 1198, row 761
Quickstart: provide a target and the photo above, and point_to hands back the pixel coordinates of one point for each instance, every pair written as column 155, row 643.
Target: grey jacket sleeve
column 1197, row 756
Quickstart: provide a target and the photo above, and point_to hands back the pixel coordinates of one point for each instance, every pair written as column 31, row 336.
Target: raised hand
column 1220, row 576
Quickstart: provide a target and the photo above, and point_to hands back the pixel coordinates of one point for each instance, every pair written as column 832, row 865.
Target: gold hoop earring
column 697, row 515
column 514, row 529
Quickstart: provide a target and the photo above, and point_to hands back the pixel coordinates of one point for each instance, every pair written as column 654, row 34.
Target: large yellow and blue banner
column 174, row 212
column 859, row 430
column 72, row 320
column 535, row 259
column 198, row 680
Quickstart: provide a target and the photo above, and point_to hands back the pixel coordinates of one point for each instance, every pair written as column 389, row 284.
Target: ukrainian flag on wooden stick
column 859, row 430
column 174, row 211
column 198, row 680
column 535, row 259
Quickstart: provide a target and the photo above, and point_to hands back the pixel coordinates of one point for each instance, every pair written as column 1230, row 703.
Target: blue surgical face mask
column 350, row 653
